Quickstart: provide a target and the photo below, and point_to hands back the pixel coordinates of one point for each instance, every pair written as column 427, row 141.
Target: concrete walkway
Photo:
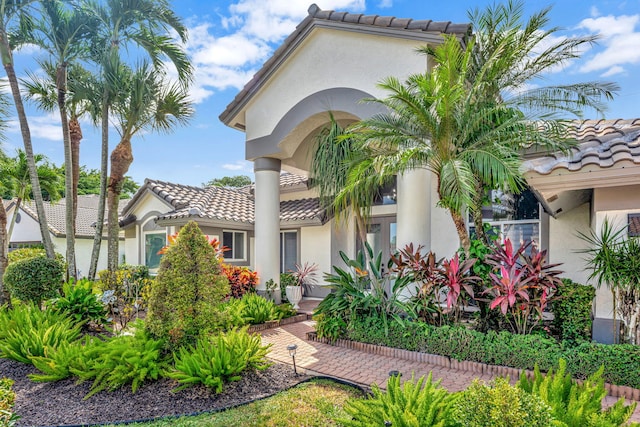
column 359, row 367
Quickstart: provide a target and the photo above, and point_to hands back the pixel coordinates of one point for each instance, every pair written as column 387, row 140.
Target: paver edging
column 276, row 323
column 462, row 365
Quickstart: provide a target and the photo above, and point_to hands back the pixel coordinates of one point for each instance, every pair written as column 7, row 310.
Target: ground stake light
column 292, row 352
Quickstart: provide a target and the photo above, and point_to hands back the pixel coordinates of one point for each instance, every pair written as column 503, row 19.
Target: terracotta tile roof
column 292, row 180
column 55, row 212
column 603, row 143
column 316, row 16
column 229, row 204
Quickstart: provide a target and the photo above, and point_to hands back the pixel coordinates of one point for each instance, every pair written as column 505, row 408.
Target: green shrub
column 7, row 399
column 621, row 362
column 498, row 404
column 285, row 310
column 286, row 279
column 421, row 403
column 57, row 362
column 576, row 405
column 125, row 292
column 27, row 253
column 521, row 351
column 572, row 310
column 257, row 309
column 34, row 279
column 186, row 297
column 329, row 327
column 122, row 360
column 219, row 359
column 26, row 331
column 370, row 329
column 456, row 342
column 80, row 303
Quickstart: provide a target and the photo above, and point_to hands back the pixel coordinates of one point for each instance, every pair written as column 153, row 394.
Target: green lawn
column 315, row 403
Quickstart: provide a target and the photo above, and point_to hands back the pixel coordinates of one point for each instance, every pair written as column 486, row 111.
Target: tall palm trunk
column 121, row 159
column 476, row 213
column 5, row 298
column 61, row 85
column 104, row 165
column 7, row 62
column 75, row 136
column 461, row 228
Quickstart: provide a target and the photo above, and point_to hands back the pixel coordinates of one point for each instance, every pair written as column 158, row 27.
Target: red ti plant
column 522, row 285
column 457, row 279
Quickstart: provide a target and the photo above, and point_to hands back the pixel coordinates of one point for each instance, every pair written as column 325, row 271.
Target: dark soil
column 60, row 403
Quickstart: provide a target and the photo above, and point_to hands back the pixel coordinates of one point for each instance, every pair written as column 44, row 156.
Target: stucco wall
column 315, row 247
column 27, row 230
column 362, row 61
column 565, row 244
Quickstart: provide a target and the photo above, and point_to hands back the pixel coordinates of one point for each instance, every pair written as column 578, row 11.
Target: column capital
column 267, row 164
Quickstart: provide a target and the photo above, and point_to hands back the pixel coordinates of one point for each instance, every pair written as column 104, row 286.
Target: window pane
column 227, row 240
column 152, row 244
column 522, row 233
column 393, row 234
column 238, row 248
column 289, row 251
column 511, row 207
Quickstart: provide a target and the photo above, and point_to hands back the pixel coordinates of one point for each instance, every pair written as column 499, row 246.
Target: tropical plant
column 219, row 359
column 329, row 327
column 242, row 280
column 185, row 299
column 615, row 262
column 7, row 400
column 80, row 303
column 15, row 174
column 34, row 279
column 573, row 404
column 305, row 275
column 15, row 26
column 572, row 310
column 286, row 279
column 499, row 404
column 26, row 331
column 412, row 404
column 124, row 293
column 257, row 309
column 122, row 360
column 146, row 24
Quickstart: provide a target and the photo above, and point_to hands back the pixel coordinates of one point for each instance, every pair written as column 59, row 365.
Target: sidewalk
column 359, row 367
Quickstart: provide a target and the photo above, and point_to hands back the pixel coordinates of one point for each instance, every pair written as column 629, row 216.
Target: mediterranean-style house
column 26, row 231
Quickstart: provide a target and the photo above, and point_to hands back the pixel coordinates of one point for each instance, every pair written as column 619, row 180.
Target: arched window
column 154, row 238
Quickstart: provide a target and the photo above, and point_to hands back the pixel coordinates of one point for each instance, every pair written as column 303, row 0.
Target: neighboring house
column 335, row 59
column 26, row 231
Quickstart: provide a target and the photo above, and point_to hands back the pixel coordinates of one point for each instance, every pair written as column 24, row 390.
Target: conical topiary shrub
column 185, row 298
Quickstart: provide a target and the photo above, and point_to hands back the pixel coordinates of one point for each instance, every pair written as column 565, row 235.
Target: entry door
column 381, row 236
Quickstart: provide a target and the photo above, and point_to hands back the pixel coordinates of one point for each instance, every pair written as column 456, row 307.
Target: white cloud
column 594, row 12
column 609, row 26
column 385, row 4
column 240, row 165
column 41, row 127
column 616, row 69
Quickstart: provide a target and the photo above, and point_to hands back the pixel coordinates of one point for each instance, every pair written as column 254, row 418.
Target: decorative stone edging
column 463, row 365
column 275, row 323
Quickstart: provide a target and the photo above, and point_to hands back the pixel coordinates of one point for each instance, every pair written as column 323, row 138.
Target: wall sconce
column 292, row 352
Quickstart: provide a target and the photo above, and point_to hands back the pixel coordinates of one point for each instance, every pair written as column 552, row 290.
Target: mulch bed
column 61, row 403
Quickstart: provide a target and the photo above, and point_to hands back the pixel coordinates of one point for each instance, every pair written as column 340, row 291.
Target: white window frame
column 144, row 243
column 232, row 251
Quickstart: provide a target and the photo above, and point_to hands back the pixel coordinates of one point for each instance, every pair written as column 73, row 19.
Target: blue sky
column 230, row 40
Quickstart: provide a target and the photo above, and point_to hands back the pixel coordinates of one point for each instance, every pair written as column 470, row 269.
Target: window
column 386, row 195
column 513, row 216
column 288, row 251
column 634, row 225
column 235, row 242
column 155, row 238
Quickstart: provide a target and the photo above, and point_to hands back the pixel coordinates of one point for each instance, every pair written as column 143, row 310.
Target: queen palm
column 15, row 20
column 456, row 121
column 146, row 24
column 145, row 102
column 15, row 176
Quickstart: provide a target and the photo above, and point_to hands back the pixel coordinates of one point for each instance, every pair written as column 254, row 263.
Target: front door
column 381, row 236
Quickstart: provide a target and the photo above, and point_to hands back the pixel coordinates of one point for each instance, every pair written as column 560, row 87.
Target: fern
column 219, row 359
column 575, row 405
column 414, row 404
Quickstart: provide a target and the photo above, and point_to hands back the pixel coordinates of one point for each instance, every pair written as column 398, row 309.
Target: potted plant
column 304, row 276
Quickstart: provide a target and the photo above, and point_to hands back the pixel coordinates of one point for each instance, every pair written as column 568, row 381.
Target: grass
column 314, row 403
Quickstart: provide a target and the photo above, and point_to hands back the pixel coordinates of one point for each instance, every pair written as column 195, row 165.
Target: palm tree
column 15, row 19
column 456, row 121
column 5, row 298
column 146, row 102
column 146, row 24
column 15, row 174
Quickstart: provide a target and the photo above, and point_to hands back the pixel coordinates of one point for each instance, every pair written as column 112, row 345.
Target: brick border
column 463, row 365
column 276, row 323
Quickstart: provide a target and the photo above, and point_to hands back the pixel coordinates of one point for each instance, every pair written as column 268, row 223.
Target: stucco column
column 414, row 209
column 267, row 223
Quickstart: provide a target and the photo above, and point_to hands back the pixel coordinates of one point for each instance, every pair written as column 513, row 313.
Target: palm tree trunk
column 121, row 159
column 75, row 135
column 5, row 298
column 104, row 165
column 476, row 214
column 7, row 59
column 461, row 228
column 61, row 85
column 14, row 217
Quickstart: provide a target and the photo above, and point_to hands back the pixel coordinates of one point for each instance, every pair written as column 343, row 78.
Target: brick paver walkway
column 359, row 367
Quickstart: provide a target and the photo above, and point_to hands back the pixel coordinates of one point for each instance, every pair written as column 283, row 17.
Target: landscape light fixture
column 292, row 352
column 395, row 374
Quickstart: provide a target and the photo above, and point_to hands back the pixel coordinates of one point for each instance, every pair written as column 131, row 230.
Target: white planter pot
column 294, row 295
